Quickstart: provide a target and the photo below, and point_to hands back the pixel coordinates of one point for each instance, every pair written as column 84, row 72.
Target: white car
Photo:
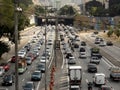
column 102, row 43
column 43, row 60
column 22, row 53
column 2, row 71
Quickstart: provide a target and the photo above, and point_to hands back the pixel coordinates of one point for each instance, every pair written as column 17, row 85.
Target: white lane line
column 23, row 79
column 38, row 86
column 63, row 60
column 107, row 62
column 86, row 80
column 51, row 59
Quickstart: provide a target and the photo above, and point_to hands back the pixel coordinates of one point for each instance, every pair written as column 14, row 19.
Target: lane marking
column 107, row 62
column 51, row 59
column 63, row 60
column 86, row 80
column 38, row 86
column 23, row 79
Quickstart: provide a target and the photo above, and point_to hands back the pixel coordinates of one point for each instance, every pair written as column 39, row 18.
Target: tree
column 7, row 17
column 4, row 47
column 110, row 32
column 117, row 32
column 39, row 10
column 67, row 10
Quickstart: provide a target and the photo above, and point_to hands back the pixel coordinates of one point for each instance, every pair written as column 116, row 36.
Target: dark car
column 105, row 87
column 41, row 67
column 76, row 45
column 109, row 43
column 68, row 55
column 6, row 66
column 29, row 86
column 92, row 68
column 36, row 76
column 8, row 80
column 83, row 43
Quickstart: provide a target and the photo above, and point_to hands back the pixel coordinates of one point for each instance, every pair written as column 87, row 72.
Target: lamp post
column 17, row 9
column 45, row 48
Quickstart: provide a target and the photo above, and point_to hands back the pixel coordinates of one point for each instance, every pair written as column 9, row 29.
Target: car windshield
column 28, row 85
column 40, row 66
column 35, row 73
column 7, row 78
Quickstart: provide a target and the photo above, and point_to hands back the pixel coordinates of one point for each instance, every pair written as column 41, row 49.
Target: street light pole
column 45, row 48
column 16, row 46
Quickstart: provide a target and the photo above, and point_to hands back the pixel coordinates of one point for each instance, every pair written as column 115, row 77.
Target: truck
column 75, row 76
column 99, row 79
column 22, row 66
column 95, row 52
column 115, row 73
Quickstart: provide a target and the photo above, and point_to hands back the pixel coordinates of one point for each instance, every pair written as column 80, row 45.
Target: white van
column 99, row 79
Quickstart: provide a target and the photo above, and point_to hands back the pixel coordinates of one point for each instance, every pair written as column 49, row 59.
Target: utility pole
column 56, row 32
column 45, row 48
column 16, row 46
column 17, row 9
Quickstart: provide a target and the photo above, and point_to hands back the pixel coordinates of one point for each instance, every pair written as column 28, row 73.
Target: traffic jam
column 87, row 67
column 32, row 59
column 84, row 61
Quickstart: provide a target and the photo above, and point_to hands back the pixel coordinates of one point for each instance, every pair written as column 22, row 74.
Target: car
column 28, row 60
column 99, row 79
column 75, row 87
column 69, row 54
column 102, row 43
column 71, row 60
column 6, row 66
column 29, row 86
column 43, row 59
column 2, row 71
column 109, row 43
column 83, row 43
column 76, row 45
column 95, row 59
column 36, row 76
column 106, row 87
column 21, row 54
column 91, row 67
column 13, row 59
column 8, row 80
column 41, row 67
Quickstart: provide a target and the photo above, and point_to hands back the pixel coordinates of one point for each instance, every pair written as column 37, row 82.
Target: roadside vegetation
column 7, row 21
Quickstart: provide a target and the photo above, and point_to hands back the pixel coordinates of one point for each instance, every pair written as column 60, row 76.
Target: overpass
column 61, row 19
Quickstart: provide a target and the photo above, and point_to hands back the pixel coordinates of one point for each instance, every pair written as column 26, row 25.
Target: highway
column 61, row 74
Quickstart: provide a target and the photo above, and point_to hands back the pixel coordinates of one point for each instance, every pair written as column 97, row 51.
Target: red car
column 13, row 59
column 6, row 66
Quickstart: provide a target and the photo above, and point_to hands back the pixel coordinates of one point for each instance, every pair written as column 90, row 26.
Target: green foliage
column 4, row 47
column 110, row 32
column 117, row 32
column 7, row 17
column 67, row 10
column 39, row 10
column 114, row 10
